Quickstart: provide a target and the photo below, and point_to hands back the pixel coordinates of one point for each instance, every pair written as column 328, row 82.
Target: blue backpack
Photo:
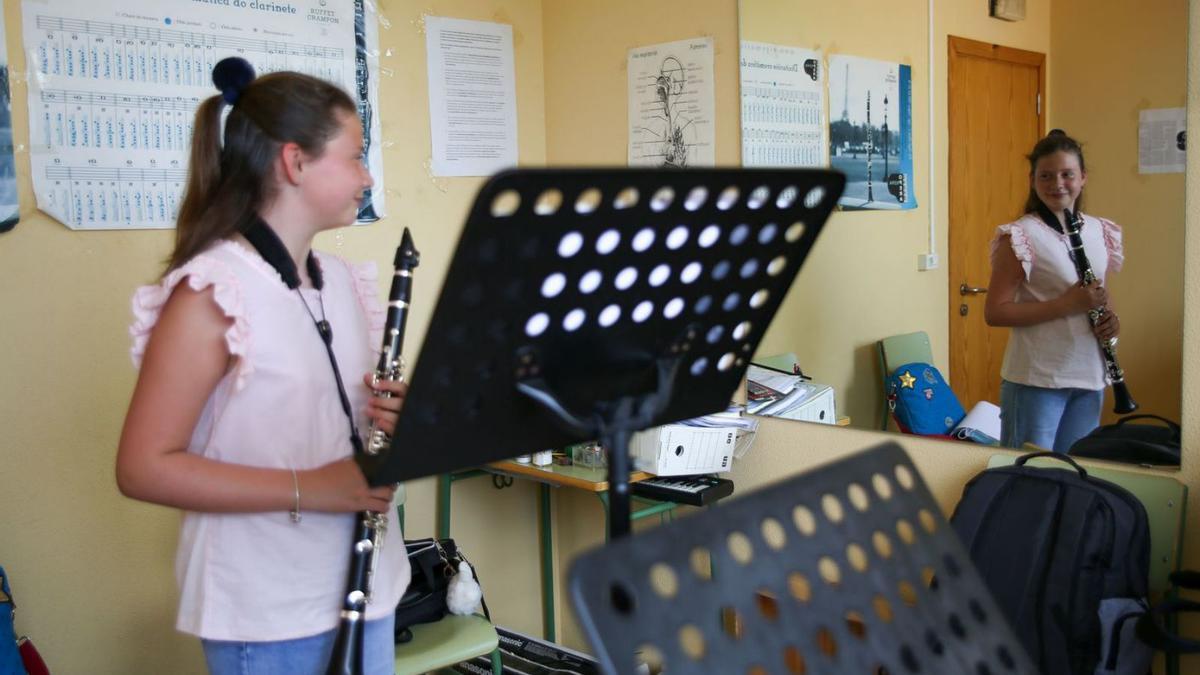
column 921, row 402
column 10, row 658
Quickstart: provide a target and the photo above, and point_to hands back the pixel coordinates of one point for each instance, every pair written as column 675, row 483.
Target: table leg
column 445, row 481
column 547, row 563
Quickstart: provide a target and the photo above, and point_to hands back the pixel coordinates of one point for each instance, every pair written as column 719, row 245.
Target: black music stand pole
column 588, row 304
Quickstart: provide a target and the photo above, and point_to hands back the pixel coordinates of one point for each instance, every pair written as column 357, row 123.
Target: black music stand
column 591, row 303
column 849, row 568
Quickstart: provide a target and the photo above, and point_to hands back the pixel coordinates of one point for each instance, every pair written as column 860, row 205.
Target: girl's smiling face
column 341, row 176
column 1058, row 180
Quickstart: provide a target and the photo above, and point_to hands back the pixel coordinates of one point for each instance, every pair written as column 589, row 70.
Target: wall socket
column 927, row 261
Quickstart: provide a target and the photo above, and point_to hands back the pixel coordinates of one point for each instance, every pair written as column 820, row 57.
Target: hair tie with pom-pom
column 231, row 75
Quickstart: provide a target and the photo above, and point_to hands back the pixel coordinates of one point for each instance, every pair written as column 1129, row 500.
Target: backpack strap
column 1054, row 455
column 1174, row 427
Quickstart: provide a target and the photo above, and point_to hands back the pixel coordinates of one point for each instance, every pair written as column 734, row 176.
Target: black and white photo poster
column 9, row 208
column 870, row 132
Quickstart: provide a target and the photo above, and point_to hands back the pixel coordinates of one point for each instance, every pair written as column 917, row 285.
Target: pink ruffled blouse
column 1063, row 352
column 259, row 576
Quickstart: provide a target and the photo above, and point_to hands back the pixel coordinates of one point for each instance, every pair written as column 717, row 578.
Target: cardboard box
column 679, row 450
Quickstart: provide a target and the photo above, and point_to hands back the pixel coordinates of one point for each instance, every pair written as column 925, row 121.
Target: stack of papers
column 770, row 392
column 732, row 417
column 729, row 417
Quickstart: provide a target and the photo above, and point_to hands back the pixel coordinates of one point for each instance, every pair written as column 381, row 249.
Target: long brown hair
column 228, row 184
column 1055, row 141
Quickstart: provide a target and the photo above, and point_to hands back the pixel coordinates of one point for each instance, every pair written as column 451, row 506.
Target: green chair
column 783, row 362
column 898, row 350
column 443, row 643
column 1165, row 499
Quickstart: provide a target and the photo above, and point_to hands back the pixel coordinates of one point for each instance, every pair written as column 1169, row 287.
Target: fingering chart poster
column 783, row 105
column 113, row 87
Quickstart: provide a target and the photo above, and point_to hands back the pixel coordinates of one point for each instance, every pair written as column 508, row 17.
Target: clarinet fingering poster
column 783, row 105
column 113, row 88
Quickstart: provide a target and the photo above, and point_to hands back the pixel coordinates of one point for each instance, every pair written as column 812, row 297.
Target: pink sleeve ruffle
column 1114, row 245
column 366, row 286
column 1019, row 242
column 201, row 272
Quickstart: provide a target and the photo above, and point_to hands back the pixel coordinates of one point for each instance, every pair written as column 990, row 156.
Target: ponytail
column 230, row 170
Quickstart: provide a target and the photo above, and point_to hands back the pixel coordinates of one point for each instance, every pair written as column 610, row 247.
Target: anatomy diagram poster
column 671, row 104
column 113, row 88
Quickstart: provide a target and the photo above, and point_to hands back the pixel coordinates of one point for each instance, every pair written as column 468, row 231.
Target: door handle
column 964, row 289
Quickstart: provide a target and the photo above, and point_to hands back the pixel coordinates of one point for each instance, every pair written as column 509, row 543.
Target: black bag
column 434, row 563
column 1155, row 444
column 1067, row 557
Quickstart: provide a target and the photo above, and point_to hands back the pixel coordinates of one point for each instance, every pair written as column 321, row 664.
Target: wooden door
column 995, row 117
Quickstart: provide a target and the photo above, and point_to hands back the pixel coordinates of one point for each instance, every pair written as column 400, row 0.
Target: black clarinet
column 370, row 527
column 1123, row 402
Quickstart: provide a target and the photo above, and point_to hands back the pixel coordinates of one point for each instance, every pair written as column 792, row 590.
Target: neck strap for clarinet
column 271, row 248
column 1049, row 218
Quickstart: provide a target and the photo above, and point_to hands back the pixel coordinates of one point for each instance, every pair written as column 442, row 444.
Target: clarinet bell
column 1123, row 402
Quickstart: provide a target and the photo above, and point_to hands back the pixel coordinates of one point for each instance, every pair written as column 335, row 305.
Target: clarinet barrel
column 1123, row 402
column 369, row 526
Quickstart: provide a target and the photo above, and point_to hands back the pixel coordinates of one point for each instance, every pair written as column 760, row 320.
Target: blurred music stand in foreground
column 848, row 568
column 588, row 304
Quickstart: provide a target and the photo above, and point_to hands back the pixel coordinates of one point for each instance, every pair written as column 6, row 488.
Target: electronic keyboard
column 691, row 490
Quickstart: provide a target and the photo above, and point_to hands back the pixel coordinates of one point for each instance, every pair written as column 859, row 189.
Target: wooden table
column 594, row 480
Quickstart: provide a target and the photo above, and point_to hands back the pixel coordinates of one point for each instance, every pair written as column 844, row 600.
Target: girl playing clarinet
column 1053, row 374
column 240, row 417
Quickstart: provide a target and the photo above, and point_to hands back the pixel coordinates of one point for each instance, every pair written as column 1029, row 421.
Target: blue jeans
column 302, row 656
column 1049, row 418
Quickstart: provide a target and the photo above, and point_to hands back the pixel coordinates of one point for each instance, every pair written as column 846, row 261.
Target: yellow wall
column 93, row 570
column 1136, row 56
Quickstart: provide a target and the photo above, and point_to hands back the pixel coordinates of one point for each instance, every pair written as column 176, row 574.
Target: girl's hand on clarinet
column 385, row 411
column 1079, row 299
column 1109, row 326
column 340, row 487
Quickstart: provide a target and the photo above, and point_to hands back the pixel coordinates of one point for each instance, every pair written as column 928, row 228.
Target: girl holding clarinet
column 1054, row 374
column 240, row 416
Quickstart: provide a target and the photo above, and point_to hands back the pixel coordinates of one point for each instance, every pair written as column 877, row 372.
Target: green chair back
column 1165, row 499
column 782, row 362
column 897, row 350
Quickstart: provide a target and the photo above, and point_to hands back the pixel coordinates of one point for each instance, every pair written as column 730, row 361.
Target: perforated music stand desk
column 591, row 303
column 849, row 568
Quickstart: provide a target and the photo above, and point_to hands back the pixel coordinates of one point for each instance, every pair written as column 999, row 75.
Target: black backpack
column 1132, row 440
column 1067, row 557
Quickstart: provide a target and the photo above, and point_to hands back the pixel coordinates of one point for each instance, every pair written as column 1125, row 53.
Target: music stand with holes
column 848, row 568
column 592, row 303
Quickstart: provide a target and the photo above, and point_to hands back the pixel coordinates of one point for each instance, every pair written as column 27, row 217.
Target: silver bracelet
column 295, row 512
